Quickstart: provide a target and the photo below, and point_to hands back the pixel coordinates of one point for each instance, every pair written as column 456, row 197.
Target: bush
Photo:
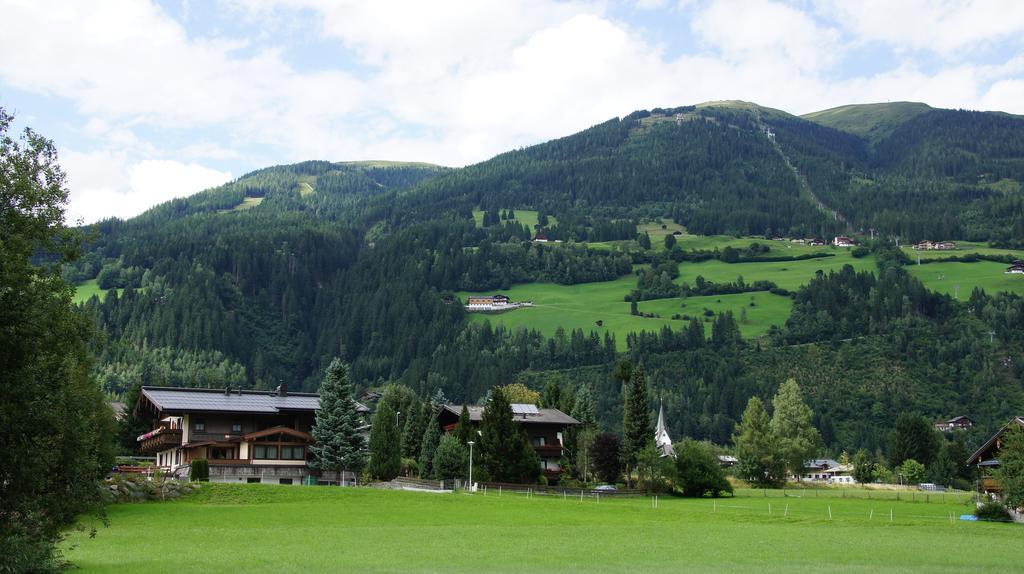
column 451, row 460
column 993, row 511
column 139, row 488
column 698, row 471
column 859, row 252
column 199, row 470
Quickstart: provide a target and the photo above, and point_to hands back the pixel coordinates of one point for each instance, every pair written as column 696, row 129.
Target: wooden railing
column 162, row 440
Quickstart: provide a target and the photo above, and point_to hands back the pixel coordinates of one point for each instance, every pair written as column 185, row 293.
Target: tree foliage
column 505, row 452
column 606, row 455
column 792, row 429
column 451, row 459
column 1011, row 468
column 340, row 444
column 698, row 472
column 759, row 460
column 385, row 444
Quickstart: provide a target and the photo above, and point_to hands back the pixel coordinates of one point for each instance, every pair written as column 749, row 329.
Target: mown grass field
column 269, row 528
column 786, row 274
column 944, row 277
column 85, row 291
column 963, row 248
column 522, row 216
column 582, row 306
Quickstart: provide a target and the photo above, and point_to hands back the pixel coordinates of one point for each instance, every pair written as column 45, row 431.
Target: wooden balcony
column 162, row 439
column 989, row 484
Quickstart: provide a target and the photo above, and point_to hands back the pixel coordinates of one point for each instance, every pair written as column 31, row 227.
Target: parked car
column 606, row 488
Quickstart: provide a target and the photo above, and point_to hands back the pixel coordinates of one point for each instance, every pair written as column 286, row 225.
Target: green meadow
column 524, row 216
column 270, row 528
column 963, row 248
column 581, row 306
column 959, row 279
column 87, row 289
column 786, row 274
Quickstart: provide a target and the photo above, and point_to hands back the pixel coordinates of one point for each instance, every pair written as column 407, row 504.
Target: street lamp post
column 470, row 443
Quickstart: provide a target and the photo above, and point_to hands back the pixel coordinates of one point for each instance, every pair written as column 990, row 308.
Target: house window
column 293, row 452
column 222, row 453
column 539, row 441
column 253, row 479
column 265, row 451
column 236, row 426
column 285, row 481
column 200, row 425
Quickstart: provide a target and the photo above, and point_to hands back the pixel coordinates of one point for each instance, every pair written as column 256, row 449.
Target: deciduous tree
column 759, row 461
column 792, row 428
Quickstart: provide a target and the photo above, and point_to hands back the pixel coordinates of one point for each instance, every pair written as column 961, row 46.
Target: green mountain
column 873, row 122
column 263, row 280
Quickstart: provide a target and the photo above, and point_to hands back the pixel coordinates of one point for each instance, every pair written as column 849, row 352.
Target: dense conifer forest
column 263, row 280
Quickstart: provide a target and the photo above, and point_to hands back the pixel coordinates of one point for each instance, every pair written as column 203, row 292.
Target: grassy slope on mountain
column 872, row 122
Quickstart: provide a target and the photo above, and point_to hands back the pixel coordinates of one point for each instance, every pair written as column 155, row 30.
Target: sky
column 151, row 100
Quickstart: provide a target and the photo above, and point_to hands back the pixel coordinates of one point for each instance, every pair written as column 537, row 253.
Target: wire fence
column 825, row 505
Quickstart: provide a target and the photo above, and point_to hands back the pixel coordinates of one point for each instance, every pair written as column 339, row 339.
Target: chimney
column 282, row 390
column 227, row 391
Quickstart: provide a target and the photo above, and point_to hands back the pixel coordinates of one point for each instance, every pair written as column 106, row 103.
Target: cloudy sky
column 152, row 100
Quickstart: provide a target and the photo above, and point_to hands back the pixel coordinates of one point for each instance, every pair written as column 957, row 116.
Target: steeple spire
column 661, row 438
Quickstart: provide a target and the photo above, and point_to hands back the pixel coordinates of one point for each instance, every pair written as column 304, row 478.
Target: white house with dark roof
column 247, row 436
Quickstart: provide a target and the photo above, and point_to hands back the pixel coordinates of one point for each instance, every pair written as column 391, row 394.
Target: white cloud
column 943, row 26
column 760, row 30
column 105, row 183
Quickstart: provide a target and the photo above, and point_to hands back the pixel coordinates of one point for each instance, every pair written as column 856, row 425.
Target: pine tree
column 504, row 450
column 385, row 444
column 451, row 459
column 340, row 444
column 582, row 436
column 792, row 430
column 636, row 420
column 644, row 239
column 914, row 438
column 464, row 429
column 1011, row 467
column 131, row 426
column 431, row 438
column 759, row 460
column 670, row 241
column 412, row 430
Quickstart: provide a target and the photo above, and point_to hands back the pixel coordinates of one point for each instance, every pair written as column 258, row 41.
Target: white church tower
column 661, row 438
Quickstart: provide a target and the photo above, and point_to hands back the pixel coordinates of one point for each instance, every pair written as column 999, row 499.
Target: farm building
column 956, row 423
column 544, row 429
column 935, row 246
column 843, row 241
column 827, row 470
column 986, row 458
column 247, row 436
column 1017, row 268
column 487, row 302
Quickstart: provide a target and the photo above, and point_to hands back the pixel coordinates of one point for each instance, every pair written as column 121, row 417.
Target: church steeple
column 661, row 438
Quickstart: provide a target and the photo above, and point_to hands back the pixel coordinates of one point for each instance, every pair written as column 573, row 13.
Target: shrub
column 859, row 252
column 199, row 470
column 451, row 460
column 698, row 471
column 993, row 511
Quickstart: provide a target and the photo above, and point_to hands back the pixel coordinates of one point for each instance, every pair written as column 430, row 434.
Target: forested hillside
column 264, row 280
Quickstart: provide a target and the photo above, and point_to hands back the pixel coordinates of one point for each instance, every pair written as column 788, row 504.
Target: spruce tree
column 412, row 430
column 464, row 429
column 340, row 444
column 431, row 437
column 131, row 426
column 585, row 412
column 504, row 449
column 636, row 420
column 385, row 444
column 792, row 430
column 758, row 459
column 451, row 459
column 915, row 438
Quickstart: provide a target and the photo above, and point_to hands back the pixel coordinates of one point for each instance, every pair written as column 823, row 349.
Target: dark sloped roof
column 543, row 416
column 215, row 400
column 985, row 451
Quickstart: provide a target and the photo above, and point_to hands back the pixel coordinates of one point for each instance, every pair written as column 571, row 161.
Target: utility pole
column 470, row 443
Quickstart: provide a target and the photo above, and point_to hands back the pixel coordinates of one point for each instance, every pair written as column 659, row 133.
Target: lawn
column 786, row 274
column 522, row 216
column 963, row 248
column 581, row 306
column 270, row 528
column 947, row 276
column 85, row 291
